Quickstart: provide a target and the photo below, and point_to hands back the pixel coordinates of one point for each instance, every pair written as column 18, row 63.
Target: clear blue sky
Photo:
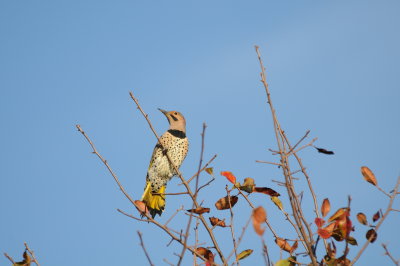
column 333, row 68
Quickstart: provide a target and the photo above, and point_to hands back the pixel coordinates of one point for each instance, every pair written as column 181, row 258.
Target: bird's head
column 175, row 119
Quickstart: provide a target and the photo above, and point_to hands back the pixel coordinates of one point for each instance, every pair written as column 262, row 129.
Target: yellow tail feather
column 155, row 203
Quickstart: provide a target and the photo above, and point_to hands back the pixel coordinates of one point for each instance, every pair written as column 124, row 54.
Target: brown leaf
column 283, row 244
column 141, row 207
column 376, row 216
column 321, row 150
column 209, row 257
column 199, row 210
column 338, row 214
column 209, row 170
column 326, row 207
column 362, row 218
column 294, row 247
column 229, row 176
column 223, row 203
column 368, row 175
column 371, row 235
column 259, row 215
column 352, row 241
column 266, row 190
column 217, row 222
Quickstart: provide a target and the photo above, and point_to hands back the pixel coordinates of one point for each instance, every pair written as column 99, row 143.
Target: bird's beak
column 163, row 111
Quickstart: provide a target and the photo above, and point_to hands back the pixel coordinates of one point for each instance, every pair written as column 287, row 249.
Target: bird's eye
column 175, row 113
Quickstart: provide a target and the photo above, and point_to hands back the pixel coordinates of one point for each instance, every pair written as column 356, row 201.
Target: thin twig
column 202, row 169
column 32, row 254
column 204, row 222
column 240, row 238
column 195, row 194
column 144, row 248
column 305, row 136
column 396, row 262
column 166, row 229
column 278, row 164
column 9, row 258
column 170, row 194
column 279, row 134
column 388, row 210
column 232, row 225
column 173, row 215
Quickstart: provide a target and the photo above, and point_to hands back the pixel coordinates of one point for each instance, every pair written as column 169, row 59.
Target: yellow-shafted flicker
column 160, row 170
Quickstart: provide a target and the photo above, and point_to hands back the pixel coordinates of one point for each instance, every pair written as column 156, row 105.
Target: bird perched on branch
column 160, row 171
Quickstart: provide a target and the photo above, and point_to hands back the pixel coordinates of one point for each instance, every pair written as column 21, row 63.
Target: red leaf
column 229, row 176
column 319, row 222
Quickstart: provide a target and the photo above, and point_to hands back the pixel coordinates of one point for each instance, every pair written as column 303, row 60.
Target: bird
column 160, row 171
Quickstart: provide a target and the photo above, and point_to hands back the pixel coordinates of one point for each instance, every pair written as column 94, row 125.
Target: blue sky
column 332, row 68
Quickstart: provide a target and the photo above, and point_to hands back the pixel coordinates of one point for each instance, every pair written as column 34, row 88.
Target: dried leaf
column 141, row 207
column 327, row 231
column 283, row 244
column 371, row 235
column 368, row 175
column 321, row 150
column 352, row 241
column 277, row 202
column 259, row 215
column 362, row 218
column 209, row 170
column 229, row 176
column 294, row 247
column 326, row 207
column 331, row 252
column 244, row 254
column 376, row 216
column 338, row 214
column 319, row 222
column 248, row 185
column 217, row 222
column 266, row 190
column 209, row 257
column 199, row 210
column 286, row 262
column 223, row 203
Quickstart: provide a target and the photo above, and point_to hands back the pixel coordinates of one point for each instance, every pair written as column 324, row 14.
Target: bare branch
column 384, row 216
column 9, row 258
column 144, row 248
column 396, row 262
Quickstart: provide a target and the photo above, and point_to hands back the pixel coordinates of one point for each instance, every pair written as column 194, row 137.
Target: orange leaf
column 327, row 231
column 202, row 251
column 368, row 175
column 319, row 222
column 259, row 215
column 199, row 210
column 362, row 218
column 217, row 222
column 283, row 244
column 229, row 176
column 266, row 190
column 339, row 213
column 326, row 207
column 223, row 203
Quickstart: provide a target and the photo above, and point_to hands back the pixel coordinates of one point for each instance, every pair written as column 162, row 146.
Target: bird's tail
column 155, row 203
